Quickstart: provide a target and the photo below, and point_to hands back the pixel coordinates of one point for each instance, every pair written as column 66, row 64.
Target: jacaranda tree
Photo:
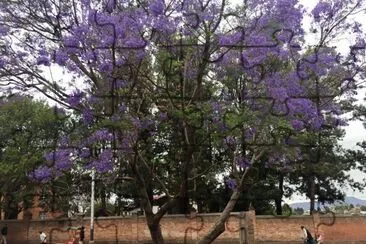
column 183, row 85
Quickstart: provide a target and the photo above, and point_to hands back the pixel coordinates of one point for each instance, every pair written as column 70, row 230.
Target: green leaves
column 28, row 127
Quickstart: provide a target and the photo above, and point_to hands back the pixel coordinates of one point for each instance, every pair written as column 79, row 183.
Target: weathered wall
column 177, row 228
column 338, row 229
column 131, row 229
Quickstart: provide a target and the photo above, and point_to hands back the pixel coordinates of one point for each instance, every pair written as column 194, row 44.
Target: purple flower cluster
column 99, row 136
column 230, row 141
column 157, row 7
column 75, row 98
column 43, row 60
column 104, row 163
column 4, row 30
column 88, row 117
column 231, row 183
column 2, row 63
column 297, row 124
column 60, row 57
column 61, row 158
column 322, row 10
column 244, row 162
column 42, row 174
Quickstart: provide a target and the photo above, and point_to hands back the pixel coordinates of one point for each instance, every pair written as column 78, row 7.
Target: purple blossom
column 231, row 183
column 231, row 39
column 4, row 30
column 135, row 43
column 84, row 153
column 122, row 108
column 163, row 116
column 250, row 133
column 126, row 144
column 111, row 5
column 63, row 165
column 316, row 122
column 108, row 41
column 85, row 2
column 75, row 98
column 21, row 55
column 104, row 162
column 121, row 84
column 64, row 141
column 42, row 174
column 297, row 124
column 157, row 7
column 147, row 124
column 230, row 141
column 244, row 162
column 336, row 110
column 216, row 106
column 71, row 43
column 357, row 27
column 91, row 56
column 106, row 67
column 120, row 62
column 43, row 60
column 340, row 122
column 279, row 94
column 102, row 135
column 61, row 158
column 136, row 122
column 322, row 9
column 88, row 117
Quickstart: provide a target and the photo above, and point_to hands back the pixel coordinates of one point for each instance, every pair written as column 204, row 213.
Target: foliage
column 299, row 211
column 27, row 128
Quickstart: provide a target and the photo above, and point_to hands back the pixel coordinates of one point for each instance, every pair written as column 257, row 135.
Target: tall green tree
column 28, row 127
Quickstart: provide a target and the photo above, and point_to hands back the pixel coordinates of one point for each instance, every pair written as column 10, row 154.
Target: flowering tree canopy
column 182, row 83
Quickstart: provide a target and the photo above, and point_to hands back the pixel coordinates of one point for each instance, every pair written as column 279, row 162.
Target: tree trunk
column 1, row 208
column 278, row 203
column 278, row 200
column 10, row 207
column 118, row 205
column 219, row 226
column 103, row 200
column 153, row 221
column 312, row 194
column 156, row 234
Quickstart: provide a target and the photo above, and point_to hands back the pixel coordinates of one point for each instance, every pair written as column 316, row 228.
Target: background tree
column 27, row 128
column 299, row 211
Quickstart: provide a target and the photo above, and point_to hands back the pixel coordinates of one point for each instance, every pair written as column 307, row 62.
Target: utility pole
column 92, row 207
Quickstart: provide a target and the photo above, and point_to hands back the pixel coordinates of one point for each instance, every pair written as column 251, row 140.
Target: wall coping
column 168, row 216
column 172, row 216
column 306, row 216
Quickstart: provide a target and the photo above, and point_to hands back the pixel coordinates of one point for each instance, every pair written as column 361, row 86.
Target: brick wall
column 177, row 228
column 131, row 229
column 345, row 229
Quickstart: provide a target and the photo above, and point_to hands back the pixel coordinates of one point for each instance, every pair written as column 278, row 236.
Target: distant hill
column 348, row 200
